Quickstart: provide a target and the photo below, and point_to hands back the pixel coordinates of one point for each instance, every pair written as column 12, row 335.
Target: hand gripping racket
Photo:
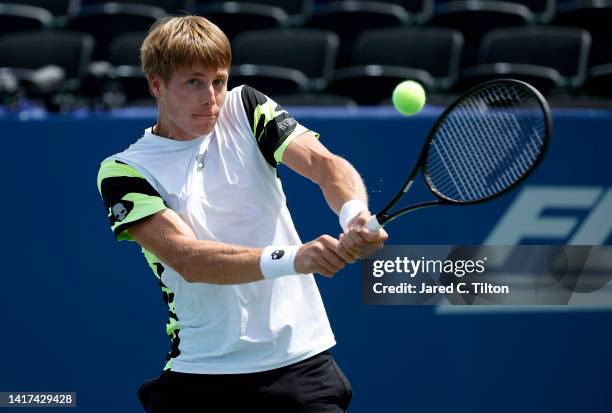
column 484, row 144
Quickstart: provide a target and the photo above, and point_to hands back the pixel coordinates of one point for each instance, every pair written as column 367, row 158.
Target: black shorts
column 314, row 385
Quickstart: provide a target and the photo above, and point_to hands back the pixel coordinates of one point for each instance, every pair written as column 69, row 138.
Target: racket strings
column 486, row 143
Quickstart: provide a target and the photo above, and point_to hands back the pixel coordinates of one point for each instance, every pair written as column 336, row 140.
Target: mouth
column 203, row 115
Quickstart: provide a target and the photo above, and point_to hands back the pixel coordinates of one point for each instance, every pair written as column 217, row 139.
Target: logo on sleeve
column 286, row 126
column 121, row 210
column 278, row 254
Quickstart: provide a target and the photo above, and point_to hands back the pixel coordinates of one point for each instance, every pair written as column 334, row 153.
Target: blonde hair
column 184, row 42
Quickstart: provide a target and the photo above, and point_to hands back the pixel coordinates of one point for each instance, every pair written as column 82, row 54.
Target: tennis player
column 199, row 192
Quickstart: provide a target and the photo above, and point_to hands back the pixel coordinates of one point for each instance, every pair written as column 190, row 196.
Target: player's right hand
column 323, row 256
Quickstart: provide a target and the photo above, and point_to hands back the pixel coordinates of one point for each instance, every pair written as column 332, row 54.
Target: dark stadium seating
column 170, row 6
column 235, row 17
column 315, row 99
column 271, row 80
column 419, row 10
column 109, row 20
column 125, row 48
column 543, row 10
column 548, row 57
column 296, row 10
column 474, row 18
column 126, row 75
column 599, row 81
column 55, row 7
column 432, row 49
column 16, row 18
column 59, row 63
column 351, row 18
column 70, row 51
column 315, row 59
column 326, row 52
column 383, row 58
column 594, row 16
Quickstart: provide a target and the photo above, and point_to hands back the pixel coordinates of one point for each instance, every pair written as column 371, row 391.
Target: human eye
column 219, row 82
column 192, row 82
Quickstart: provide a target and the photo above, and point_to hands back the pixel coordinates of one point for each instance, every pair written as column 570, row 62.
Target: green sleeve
column 272, row 126
column 128, row 197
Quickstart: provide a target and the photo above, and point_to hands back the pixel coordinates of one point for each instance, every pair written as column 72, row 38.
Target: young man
column 200, row 193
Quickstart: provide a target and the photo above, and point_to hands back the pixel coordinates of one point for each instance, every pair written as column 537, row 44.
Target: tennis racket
column 483, row 145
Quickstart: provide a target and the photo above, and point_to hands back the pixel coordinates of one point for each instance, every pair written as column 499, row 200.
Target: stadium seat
column 599, row 81
column 21, row 18
column 545, row 56
column 419, row 10
column 126, row 75
column 70, row 51
column 383, row 58
column 109, row 20
column 60, row 61
column 474, row 18
column 55, row 7
column 236, row 17
column 543, row 10
column 594, row 16
column 270, row 80
column 169, row 6
column 315, row 100
column 297, row 10
column 372, row 84
column 124, row 49
column 315, row 60
column 350, row 18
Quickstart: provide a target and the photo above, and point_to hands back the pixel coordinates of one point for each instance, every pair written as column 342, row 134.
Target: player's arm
column 340, row 184
column 336, row 177
column 170, row 239
column 137, row 212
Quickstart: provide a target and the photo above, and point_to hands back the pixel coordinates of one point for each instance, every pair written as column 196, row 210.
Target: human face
column 190, row 104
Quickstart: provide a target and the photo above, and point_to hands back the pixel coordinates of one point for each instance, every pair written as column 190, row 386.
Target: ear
column 156, row 85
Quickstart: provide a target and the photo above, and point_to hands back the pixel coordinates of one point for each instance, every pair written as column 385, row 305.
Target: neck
column 167, row 129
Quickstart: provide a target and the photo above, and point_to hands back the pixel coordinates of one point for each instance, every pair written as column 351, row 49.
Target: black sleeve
column 272, row 126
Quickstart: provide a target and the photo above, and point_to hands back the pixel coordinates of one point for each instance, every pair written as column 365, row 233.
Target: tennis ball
column 408, row 97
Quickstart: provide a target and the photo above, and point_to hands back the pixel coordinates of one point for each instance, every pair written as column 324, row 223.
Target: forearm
column 340, row 182
column 170, row 239
column 217, row 263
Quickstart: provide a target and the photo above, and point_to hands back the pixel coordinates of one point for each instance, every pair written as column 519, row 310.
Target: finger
column 375, row 236
column 346, row 255
column 349, row 244
column 334, row 259
column 357, row 237
column 325, row 267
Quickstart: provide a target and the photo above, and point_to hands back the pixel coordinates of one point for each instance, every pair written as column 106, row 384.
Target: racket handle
column 373, row 224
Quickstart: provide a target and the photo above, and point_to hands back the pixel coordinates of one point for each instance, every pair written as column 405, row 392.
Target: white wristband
column 349, row 210
column 278, row 261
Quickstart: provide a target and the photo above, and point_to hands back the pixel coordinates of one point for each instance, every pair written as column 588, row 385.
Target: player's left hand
column 358, row 240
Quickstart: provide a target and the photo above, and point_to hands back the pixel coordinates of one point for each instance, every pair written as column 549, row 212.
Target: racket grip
column 373, row 224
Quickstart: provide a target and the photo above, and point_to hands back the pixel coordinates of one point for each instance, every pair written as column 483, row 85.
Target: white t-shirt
column 225, row 187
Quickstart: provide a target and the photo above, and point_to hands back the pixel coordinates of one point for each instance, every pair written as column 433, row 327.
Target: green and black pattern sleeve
column 127, row 195
column 271, row 125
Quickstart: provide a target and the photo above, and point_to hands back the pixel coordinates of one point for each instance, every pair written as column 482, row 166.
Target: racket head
column 497, row 151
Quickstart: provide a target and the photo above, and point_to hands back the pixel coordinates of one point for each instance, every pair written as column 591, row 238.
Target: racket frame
column 383, row 217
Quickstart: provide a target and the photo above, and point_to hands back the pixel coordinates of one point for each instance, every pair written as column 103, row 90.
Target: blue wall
column 83, row 313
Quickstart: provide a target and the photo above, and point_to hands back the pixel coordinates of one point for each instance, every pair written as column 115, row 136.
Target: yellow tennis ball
column 408, row 97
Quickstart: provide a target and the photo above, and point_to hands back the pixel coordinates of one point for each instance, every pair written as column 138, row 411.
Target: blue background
column 84, row 313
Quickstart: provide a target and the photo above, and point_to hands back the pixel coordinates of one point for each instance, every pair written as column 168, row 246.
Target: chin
column 203, row 129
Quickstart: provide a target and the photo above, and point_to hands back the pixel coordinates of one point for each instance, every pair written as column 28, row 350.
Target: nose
column 208, row 96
